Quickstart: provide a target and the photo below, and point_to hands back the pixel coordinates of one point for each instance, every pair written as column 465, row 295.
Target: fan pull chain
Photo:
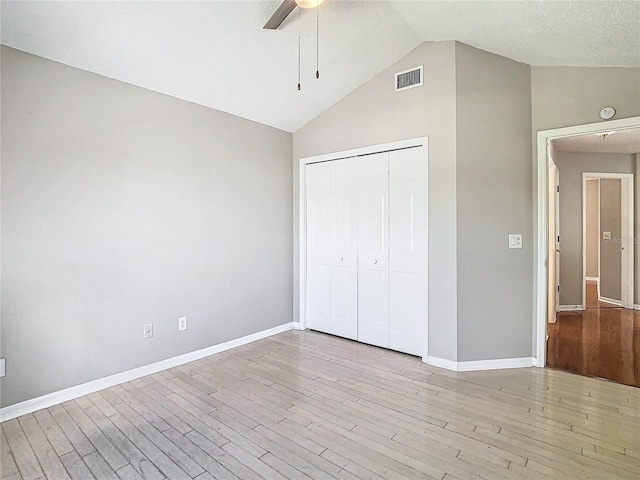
column 299, row 86
column 317, row 43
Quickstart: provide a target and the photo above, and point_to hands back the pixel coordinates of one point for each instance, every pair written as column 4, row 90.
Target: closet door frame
column 302, row 212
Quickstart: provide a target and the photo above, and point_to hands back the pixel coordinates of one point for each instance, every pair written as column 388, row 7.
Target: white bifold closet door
column 319, row 246
column 408, row 230
column 373, row 249
column 367, row 249
column 344, row 249
column 332, row 254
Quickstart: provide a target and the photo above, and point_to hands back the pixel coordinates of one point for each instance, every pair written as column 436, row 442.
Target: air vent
column 409, row 78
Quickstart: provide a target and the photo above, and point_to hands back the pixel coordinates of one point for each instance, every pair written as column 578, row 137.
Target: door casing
column 628, row 244
column 541, row 227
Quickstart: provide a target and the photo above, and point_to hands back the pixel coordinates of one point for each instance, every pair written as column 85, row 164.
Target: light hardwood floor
column 306, row 405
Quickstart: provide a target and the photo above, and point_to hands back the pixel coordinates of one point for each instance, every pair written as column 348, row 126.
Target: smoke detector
column 607, row 112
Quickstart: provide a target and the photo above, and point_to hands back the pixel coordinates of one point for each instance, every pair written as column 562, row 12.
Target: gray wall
column 493, row 172
column 610, row 254
column 565, row 96
column 375, row 114
column 121, row 207
column 571, row 166
column 591, row 214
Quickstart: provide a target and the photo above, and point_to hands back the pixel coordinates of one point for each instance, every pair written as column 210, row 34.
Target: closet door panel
column 373, row 250
column 344, row 248
column 408, row 294
column 318, row 246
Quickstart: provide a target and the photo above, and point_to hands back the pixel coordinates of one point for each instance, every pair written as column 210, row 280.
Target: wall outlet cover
column 515, row 240
column 182, row 323
column 148, row 330
column 3, row 369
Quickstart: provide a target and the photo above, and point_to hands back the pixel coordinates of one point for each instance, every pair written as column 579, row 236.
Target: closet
column 366, row 248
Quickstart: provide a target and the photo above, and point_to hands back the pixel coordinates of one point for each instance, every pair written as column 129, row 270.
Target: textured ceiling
column 622, row 141
column 216, row 53
column 544, row 32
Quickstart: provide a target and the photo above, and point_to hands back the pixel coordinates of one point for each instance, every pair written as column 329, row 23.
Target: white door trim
column 627, row 280
column 541, row 220
column 302, row 210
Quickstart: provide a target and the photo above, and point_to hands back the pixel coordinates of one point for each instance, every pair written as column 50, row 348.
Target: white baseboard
column 472, row 366
column 442, row 363
column 297, row 326
column 610, row 300
column 636, row 307
column 45, row 401
column 591, row 279
column 570, row 308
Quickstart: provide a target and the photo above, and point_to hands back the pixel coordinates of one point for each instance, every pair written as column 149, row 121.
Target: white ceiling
column 215, row 53
column 622, row 141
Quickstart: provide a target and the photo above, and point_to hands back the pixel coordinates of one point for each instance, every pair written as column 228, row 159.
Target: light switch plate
column 606, row 235
column 515, row 240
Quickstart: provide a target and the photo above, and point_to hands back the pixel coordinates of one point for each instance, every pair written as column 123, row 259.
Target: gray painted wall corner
column 122, row 207
column 494, row 199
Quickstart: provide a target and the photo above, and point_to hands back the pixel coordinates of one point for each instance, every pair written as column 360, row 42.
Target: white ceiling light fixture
column 604, row 135
column 280, row 15
column 309, row 3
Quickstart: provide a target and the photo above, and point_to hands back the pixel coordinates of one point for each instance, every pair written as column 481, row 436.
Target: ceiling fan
column 285, row 8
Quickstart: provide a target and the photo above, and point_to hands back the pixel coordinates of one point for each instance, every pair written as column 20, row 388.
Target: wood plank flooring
column 601, row 341
column 304, row 405
column 591, row 297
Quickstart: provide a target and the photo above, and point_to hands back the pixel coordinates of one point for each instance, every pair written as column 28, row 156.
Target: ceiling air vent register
column 409, row 78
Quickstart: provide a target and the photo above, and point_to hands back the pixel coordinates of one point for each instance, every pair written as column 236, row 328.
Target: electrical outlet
column 148, row 330
column 182, row 323
column 3, row 370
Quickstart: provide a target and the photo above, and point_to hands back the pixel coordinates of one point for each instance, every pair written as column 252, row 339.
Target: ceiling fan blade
column 280, row 14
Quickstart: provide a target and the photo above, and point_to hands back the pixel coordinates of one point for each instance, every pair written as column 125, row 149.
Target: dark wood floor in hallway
column 602, row 341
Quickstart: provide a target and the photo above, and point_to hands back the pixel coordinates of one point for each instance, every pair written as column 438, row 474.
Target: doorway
column 595, row 330
column 607, row 240
column 541, row 226
column 591, row 244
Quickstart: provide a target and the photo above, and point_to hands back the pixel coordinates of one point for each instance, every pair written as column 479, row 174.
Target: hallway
column 601, row 341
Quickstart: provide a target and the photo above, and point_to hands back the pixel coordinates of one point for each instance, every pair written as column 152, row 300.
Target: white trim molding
column 541, row 219
column 45, row 401
column 591, row 279
column 570, row 308
column 477, row 365
column 610, row 300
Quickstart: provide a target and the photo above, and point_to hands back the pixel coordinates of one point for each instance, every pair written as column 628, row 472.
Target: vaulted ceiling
column 215, row 53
